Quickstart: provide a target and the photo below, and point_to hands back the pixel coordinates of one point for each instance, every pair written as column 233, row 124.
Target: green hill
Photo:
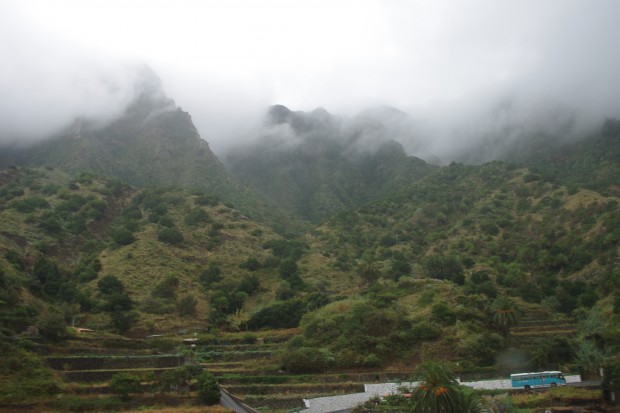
column 154, row 143
column 315, row 166
column 401, row 262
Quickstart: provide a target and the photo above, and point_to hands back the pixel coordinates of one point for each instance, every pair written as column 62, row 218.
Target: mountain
column 61, row 235
column 592, row 162
column 316, row 164
column 399, row 261
column 154, row 143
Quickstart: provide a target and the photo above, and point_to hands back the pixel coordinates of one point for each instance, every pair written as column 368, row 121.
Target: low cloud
column 466, row 72
column 46, row 84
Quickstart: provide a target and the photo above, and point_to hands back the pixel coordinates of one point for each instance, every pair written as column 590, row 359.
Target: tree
column 208, row 389
column 122, row 236
column 122, row 384
column 51, row 324
column 170, row 236
column 438, row 391
column 166, row 289
column 109, row 285
column 49, row 276
column 211, row 275
column 443, row 268
column 368, row 270
column 504, row 315
column 186, row 306
column 179, row 379
column 117, row 303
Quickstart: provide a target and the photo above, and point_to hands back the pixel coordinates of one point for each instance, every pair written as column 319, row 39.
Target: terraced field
column 540, row 325
column 249, row 368
column 250, row 371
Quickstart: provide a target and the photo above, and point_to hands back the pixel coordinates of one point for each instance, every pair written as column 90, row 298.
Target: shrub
column 121, row 236
column 186, row 306
column 425, row 331
column 122, row 384
column 170, row 236
column 51, row 324
column 166, row 289
column 196, row 216
column 30, row 204
column 286, row 314
column 208, row 389
column 109, row 285
column 207, row 200
column 307, row 360
column 443, row 268
column 211, row 275
column 23, row 376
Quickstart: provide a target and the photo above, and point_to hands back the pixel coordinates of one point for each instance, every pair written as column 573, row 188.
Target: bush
column 425, row 331
column 186, row 306
column 30, row 204
column 196, row 216
column 286, row 314
column 170, row 236
column 443, row 268
column 208, row 389
column 23, row 376
column 51, row 324
column 110, row 285
column 307, row 360
column 207, row 200
column 122, row 384
column 167, row 289
column 442, row 314
column 121, row 236
column 211, row 275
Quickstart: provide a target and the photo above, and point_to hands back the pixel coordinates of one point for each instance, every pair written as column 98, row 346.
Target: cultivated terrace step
column 547, row 328
column 544, row 322
column 234, row 355
column 274, row 402
column 301, row 388
column 240, row 347
column 96, row 376
column 379, row 377
column 107, row 362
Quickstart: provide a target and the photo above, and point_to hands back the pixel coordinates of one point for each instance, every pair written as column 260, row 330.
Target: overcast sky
column 446, row 62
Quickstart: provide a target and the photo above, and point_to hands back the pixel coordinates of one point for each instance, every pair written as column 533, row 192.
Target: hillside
column 154, row 143
column 62, row 235
column 592, row 162
column 316, row 164
column 406, row 262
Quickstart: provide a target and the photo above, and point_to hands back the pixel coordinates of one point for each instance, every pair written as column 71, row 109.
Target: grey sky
column 447, row 63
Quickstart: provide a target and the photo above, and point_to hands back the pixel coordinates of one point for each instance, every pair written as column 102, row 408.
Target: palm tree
column 368, row 270
column 438, row 390
column 504, row 315
column 473, row 404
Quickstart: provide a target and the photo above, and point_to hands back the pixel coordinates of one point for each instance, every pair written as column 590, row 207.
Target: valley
column 311, row 270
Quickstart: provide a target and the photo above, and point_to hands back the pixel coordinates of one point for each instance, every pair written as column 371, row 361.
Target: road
column 227, row 401
column 346, row 402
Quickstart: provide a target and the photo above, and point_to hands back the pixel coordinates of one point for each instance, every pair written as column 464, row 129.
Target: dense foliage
column 445, row 265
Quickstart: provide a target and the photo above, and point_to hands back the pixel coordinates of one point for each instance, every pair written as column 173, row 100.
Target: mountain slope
column 316, row 165
column 592, row 162
column 61, row 236
column 153, row 144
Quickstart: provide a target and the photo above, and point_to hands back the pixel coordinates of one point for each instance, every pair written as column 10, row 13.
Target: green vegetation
column 404, row 263
column 23, row 376
column 208, row 390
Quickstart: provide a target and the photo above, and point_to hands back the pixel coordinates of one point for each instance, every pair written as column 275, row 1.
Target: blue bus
column 538, row 379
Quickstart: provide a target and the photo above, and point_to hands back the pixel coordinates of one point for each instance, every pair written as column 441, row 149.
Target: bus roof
column 537, row 372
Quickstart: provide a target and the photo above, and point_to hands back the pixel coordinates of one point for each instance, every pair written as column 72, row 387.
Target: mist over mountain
column 318, row 164
column 152, row 143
